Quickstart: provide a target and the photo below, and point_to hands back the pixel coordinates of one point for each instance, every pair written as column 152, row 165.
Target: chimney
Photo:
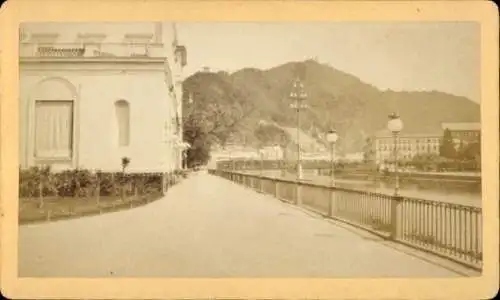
column 158, row 33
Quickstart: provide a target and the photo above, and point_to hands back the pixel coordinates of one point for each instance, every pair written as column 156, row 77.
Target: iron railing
column 448, row 230
column 323, row 167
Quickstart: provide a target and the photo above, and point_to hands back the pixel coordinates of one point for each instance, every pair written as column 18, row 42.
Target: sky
column 397, row 56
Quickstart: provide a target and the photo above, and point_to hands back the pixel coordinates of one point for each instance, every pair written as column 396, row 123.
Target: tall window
column 122, row 109
column 53, row 129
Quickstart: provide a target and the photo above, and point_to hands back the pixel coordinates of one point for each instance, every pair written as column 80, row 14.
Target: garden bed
column 58, row 208
column 47, row 196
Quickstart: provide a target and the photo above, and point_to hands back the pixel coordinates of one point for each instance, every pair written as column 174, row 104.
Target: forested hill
column 336, row 99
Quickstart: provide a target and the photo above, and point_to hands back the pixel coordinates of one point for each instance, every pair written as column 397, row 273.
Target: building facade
column 92, row 93
column 463, row 133
column 409, row 145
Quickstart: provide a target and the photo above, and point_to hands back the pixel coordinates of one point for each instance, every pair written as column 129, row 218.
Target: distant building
column 272, row 152
column 463, row 133
column 409, row 144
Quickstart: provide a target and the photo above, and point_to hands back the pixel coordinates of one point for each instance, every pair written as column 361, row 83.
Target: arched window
column 122, row 109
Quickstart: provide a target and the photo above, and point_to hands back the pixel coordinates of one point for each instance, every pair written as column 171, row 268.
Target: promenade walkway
column 210, row 227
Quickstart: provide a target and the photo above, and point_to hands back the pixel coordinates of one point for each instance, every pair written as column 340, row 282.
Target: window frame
column 54, row 159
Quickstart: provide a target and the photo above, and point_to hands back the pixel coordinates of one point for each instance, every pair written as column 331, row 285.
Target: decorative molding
column 158, row 35
column 83, row 73
column 85, row 67
column 108, row 69
column 23, row 36
column 44, row 38
column 33, row 95
column 102, row 59
column 55, row 84
column 140, row 38
column 95, row 38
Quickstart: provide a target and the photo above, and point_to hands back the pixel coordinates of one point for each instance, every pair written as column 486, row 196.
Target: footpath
column 210, row 227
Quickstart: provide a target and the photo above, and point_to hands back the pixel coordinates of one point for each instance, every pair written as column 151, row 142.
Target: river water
column 464, row 193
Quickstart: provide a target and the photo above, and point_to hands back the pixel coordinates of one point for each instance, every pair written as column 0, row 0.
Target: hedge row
column 37, row 181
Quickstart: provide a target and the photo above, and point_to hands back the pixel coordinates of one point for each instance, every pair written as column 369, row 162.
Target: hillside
column 336, row 99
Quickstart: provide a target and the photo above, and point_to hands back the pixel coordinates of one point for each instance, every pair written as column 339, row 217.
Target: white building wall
column 152, row 108
column 96, row 136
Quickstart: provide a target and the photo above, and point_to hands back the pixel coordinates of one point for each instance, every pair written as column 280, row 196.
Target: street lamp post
column 283, row 159
column 332, row 137
column 277, row 158
column 395, row 125
column 261, row 181
column 261, row 157
column 298, row 95
column 233, row 161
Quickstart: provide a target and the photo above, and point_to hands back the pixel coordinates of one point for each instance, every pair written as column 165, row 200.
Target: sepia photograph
column 119, row 131
column 243, row 149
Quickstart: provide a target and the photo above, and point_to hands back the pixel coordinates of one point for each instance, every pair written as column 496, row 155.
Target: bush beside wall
column 36, row 182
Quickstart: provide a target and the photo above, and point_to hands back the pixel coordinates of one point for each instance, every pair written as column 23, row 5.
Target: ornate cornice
column 91, row 37
column 114, row 68
column 92, row 65
column 84, row 60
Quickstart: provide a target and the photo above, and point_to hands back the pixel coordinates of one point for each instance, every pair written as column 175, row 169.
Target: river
column 456, row 192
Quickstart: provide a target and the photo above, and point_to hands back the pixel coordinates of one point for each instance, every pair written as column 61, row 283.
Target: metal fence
column 448, row 230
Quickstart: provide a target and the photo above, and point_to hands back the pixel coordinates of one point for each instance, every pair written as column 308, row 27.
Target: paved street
column 210, row 227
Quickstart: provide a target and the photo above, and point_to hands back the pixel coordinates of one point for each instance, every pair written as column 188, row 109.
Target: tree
column 269, row 134
column 447, row 147
column 470, row 151
column 201, row 143
column 213, row 113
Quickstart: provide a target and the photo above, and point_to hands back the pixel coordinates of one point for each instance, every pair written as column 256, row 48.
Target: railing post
column 276, row 188
column 299, row 194
column 164, row 184
column 331, row 203
column 396, row 201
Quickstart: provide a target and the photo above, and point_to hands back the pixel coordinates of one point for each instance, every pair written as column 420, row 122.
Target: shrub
column 37, row 181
